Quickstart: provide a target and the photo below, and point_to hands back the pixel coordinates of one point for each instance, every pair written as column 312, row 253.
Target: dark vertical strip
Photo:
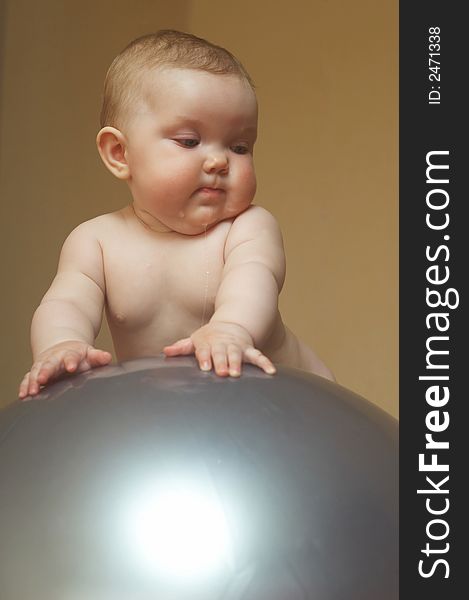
column 434, row 261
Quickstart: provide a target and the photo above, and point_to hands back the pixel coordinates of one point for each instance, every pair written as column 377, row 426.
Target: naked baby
column 191, row 266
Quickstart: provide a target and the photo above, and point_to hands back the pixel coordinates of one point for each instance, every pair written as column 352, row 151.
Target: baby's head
column 124, row 86
column 179, row 122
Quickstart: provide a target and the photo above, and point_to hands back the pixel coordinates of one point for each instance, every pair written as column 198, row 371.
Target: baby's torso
column 162, row 287
column 159, row 287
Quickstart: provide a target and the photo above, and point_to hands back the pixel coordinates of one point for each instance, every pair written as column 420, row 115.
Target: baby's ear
column 111, row 146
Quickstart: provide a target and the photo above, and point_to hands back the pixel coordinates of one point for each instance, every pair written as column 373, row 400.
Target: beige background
column 326, row 73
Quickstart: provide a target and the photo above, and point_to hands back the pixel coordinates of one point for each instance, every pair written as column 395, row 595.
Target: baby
column 191, row 266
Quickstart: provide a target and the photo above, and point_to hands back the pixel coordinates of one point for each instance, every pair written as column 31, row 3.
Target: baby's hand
column 226, row 345
column 66, row 357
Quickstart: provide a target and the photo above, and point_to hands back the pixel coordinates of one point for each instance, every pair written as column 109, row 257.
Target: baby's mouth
column 210, row 191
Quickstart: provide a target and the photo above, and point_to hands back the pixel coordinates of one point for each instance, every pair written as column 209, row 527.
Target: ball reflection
column 177, row 529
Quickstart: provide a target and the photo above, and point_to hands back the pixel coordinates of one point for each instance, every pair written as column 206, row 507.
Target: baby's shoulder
column 99, row 226
column 82, row 248
column 254, row 222
column 255, row 236
column 102, row 222
column 254, row 216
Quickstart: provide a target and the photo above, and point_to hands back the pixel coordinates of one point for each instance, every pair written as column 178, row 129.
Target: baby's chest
column 151, row 281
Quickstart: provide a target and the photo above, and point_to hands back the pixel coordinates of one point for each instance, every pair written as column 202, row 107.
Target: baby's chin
column 197, row 228
column 203, row 219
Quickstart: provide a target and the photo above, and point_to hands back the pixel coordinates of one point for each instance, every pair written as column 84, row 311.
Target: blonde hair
column 166, row 47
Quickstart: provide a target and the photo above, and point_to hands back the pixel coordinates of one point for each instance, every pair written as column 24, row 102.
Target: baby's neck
column 149, row 221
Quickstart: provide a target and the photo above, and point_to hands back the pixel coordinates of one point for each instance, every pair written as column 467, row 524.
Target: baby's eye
column 240, row 149
column 188, row 142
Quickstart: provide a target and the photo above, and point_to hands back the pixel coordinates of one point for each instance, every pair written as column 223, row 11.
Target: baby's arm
column 246, row 305
column 68, row 319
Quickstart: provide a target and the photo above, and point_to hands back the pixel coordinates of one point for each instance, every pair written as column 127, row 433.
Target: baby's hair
column 167, row 47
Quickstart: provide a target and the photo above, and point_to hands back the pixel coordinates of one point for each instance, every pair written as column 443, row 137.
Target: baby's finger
column 33, row 386
column 71, row 360
column 45, row 370
column 181, row 347
column 204, row 357
column 37, row 377
column 220, row 360
column 24, row 385
column 234, row 360
column 255, row 357
column 99, row 357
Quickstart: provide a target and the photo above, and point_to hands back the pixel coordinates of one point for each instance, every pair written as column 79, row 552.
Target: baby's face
column 190, row 150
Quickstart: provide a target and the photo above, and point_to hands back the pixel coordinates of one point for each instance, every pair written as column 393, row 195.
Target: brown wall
column 326, row 158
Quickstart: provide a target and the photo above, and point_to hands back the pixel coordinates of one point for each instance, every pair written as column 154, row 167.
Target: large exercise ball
column 152, row 480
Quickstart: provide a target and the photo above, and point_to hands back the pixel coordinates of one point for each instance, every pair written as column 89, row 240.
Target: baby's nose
column 216, row 162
